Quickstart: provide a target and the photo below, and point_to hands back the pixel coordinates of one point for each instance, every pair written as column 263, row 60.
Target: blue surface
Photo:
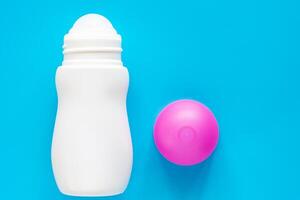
column 240, row 58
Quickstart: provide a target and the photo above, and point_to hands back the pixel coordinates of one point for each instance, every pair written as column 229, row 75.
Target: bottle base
column 86, row 193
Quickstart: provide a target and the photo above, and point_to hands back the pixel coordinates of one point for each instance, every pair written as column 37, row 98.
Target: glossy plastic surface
column 186, row 132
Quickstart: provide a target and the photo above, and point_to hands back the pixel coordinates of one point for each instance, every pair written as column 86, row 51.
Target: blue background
column 240, row 58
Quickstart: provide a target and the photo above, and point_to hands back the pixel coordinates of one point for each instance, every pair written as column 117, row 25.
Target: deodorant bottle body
column 91, row 148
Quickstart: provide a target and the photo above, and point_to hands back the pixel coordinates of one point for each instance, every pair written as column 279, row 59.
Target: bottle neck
column 92, row 57
column 92, row 51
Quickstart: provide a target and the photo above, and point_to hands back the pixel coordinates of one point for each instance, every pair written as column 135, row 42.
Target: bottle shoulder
column 87, row 69
column 92, row 67
column 90, row 72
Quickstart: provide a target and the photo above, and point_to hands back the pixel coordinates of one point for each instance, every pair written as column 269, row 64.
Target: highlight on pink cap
column 186, row 132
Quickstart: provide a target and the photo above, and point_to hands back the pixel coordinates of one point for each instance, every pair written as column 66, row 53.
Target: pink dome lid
column 186, row 132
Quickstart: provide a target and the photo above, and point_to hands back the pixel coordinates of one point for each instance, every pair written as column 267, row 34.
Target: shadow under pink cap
column 186, row 132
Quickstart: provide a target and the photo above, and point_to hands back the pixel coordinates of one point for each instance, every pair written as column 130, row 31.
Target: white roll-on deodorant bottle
column 91, row 147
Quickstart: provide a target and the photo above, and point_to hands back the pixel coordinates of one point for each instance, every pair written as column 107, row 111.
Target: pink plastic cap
column 186, row 132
